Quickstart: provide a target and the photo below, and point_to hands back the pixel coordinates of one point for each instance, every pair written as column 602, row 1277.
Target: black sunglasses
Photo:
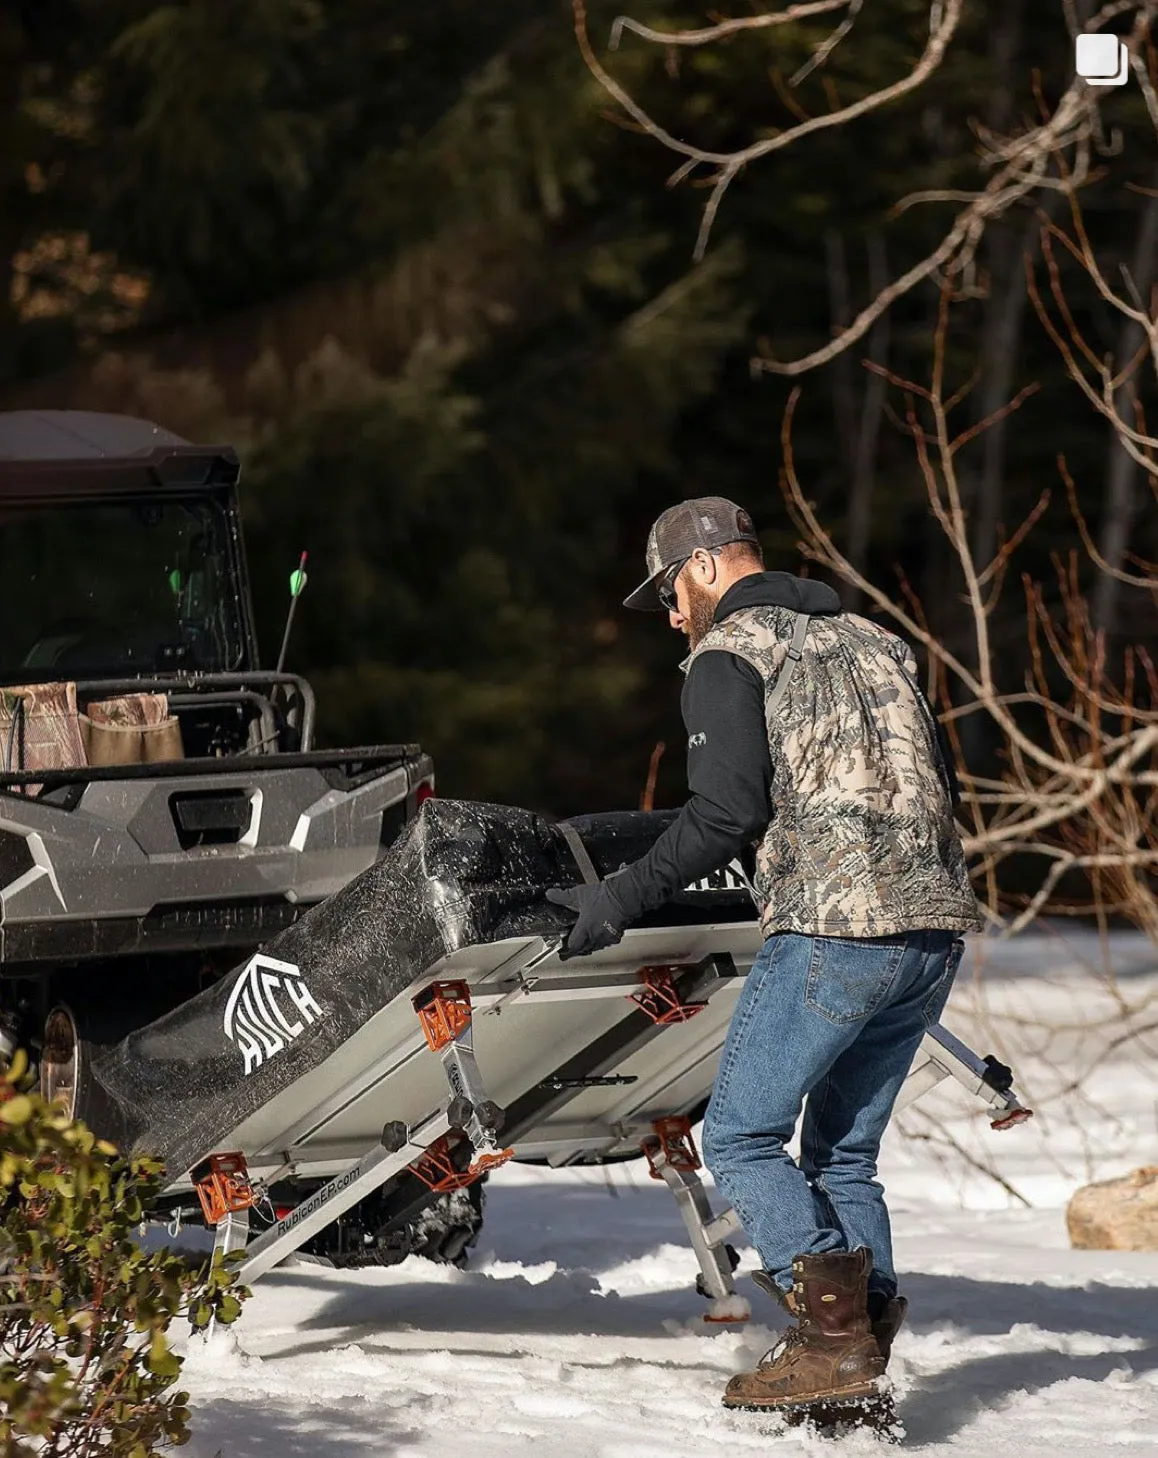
column 665, row 587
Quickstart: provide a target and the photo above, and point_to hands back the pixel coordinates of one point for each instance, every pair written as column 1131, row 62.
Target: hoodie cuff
column 626, row 896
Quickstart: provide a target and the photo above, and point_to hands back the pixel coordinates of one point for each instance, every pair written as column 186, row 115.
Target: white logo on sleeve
column 728, row 878
column 256, row 1021
column 697, row 739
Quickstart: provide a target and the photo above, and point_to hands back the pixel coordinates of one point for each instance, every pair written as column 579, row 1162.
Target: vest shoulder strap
column 795, row 652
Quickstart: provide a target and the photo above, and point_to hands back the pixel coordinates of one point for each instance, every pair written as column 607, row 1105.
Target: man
column 808, row 733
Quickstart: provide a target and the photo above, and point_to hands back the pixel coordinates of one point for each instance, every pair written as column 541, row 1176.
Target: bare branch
column 732, row 163
column 708, row 33
column 826, row 48
column 997, row 568
column 1088, row 540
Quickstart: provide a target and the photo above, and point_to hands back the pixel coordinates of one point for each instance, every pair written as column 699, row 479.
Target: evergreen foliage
column 408, row 262
column 85, row 1362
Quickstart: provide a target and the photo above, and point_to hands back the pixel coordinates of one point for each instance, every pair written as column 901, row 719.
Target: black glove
column 600, row 918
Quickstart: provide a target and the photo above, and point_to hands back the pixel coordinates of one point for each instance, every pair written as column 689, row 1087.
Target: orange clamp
column 223, row 1187
column 437, row 1171
column 659, row 999
column 1010, row 1120
column 482, row 1162
column 674, row 1141
column 443, row 1008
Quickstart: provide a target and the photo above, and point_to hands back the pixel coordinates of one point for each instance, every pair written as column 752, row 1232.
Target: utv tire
column 73, row 1035
column 443, row 1231
column 448, row 1229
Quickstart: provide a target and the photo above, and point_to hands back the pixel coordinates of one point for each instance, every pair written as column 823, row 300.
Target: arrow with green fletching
column 298, row 580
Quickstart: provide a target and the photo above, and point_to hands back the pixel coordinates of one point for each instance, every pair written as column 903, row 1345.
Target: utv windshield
column 116, row 589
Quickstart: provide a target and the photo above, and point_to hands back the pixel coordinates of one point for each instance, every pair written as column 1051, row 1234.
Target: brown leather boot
column 886, row 1313
column 886, row 1317
column 831, row 1354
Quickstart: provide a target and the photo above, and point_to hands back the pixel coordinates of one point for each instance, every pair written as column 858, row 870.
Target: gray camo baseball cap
column 705, row 521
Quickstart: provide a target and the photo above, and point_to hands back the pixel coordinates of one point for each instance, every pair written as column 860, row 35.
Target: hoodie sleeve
column 729, row 777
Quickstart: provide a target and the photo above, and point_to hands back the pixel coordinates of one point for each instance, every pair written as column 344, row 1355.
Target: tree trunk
column 858, row 423
column 840, row 310
column 1122, row 471
column 1000, row 348
column 982, row 488
column 1005, row 243
column 864, row 468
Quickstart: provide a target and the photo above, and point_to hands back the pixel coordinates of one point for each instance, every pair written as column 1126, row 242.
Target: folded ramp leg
column 445, row 1012
column 672, row 1157
column 943, row 1055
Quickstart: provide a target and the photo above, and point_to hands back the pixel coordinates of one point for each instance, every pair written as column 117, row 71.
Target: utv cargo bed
column 121, row 860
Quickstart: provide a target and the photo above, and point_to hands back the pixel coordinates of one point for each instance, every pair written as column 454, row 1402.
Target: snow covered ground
column 577, row 1334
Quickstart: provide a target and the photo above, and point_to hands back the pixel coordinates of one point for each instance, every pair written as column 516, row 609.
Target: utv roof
column 82, row 452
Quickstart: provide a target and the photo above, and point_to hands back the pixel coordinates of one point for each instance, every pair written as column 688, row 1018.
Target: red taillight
column 281, row 1211
column 424, row 792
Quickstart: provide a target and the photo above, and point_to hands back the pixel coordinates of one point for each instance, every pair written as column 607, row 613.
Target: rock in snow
column 1116, row 1214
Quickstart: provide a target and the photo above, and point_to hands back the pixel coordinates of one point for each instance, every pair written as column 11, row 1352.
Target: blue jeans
column 835, row 1021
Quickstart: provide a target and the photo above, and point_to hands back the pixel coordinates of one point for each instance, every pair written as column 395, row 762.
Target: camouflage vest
column 861, row 840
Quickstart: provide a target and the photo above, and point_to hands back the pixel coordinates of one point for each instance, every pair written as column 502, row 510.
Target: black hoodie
column 729, row 765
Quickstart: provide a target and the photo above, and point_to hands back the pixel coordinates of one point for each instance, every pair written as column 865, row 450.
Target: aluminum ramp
column 345, row 1052
column 579, row 1078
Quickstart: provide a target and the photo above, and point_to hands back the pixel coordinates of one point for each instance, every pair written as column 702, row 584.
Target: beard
column 701, row 610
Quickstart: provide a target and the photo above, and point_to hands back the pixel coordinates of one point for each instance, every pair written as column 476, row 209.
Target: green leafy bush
column 85, row 1362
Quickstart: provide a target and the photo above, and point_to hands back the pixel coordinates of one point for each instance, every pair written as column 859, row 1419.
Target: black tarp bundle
column 460, row 874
